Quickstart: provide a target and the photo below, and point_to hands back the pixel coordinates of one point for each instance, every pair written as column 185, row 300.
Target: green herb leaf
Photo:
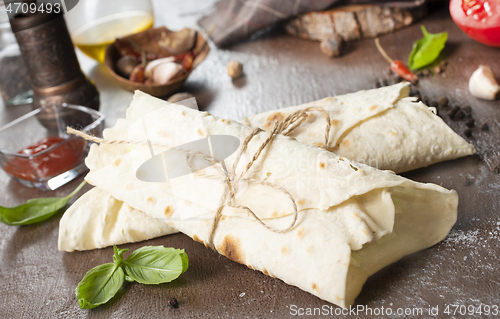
column 35, row 210
column 426, row 50
column 155, row 264
column 147, row 265
column 99, row 285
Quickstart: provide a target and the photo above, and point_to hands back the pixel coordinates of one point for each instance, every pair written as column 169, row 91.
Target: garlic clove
column 483, row 85
column 153, row 64
column 166, row 72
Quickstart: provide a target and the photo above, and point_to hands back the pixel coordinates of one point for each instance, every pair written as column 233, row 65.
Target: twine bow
column 284, row 127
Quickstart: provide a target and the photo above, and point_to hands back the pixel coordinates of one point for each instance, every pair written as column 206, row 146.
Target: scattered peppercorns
column 496, row 169
column 470, row 122
column 468, row 132
column 485, row 127
column 173, row 303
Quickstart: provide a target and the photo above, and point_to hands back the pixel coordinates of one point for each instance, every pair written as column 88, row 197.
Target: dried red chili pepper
column 403, row 71
column 397, row 66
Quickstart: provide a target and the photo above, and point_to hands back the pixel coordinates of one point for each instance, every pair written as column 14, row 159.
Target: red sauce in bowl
column 52, row 163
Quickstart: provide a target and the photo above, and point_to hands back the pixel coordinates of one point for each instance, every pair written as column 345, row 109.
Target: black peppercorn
column 469, row 181
column 173, row 303
column 470, row 122
column 453, row 112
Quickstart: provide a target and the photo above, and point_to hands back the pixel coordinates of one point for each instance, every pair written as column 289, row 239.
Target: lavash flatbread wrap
column 98, row 220
column 393, row 135
column 352, row 219
column 383, row 128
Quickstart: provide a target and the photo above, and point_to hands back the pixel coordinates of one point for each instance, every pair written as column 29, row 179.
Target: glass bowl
column 36, row 150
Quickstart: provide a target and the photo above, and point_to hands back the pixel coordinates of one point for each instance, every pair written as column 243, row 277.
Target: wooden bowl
column 148, row 40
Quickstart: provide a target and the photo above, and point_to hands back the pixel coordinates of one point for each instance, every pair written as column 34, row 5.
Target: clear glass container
column 36, row 150
column 94, row 24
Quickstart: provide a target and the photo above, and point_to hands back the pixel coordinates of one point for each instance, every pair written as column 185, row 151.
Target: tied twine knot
column 284, row 127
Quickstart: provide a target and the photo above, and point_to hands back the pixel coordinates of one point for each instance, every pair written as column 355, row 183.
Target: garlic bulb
column 482, row 84
column 161, row 71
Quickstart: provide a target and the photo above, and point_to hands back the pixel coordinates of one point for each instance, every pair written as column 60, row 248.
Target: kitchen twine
column 284, row 127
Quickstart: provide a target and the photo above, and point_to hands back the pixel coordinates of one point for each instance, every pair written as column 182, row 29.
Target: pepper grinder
column 51, row 61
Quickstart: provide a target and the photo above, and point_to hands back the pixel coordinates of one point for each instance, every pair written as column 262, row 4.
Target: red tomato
column 479, row 19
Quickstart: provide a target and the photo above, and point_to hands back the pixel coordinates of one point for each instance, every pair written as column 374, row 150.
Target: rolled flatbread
column 352, row 219
column 98, row 220
column 383, row 128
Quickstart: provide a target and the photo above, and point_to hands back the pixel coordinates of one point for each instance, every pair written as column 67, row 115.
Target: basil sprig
column 426, row 50
column 147, row 265
column 35, row 210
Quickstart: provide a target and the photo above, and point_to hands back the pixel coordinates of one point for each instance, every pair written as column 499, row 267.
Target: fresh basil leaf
column 426, row 50
column 99, row 285
column 35, row 210
column 155, row 264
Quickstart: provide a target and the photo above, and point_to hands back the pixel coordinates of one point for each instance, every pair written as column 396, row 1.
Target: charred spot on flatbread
column 168, row 211
column 346, row 143
column 284, row 250
column 334, row 122
column 301, row 232
column 196, row 238
column 315, row 287
column 275, row 117
column 231, row 248
column 201, row 132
